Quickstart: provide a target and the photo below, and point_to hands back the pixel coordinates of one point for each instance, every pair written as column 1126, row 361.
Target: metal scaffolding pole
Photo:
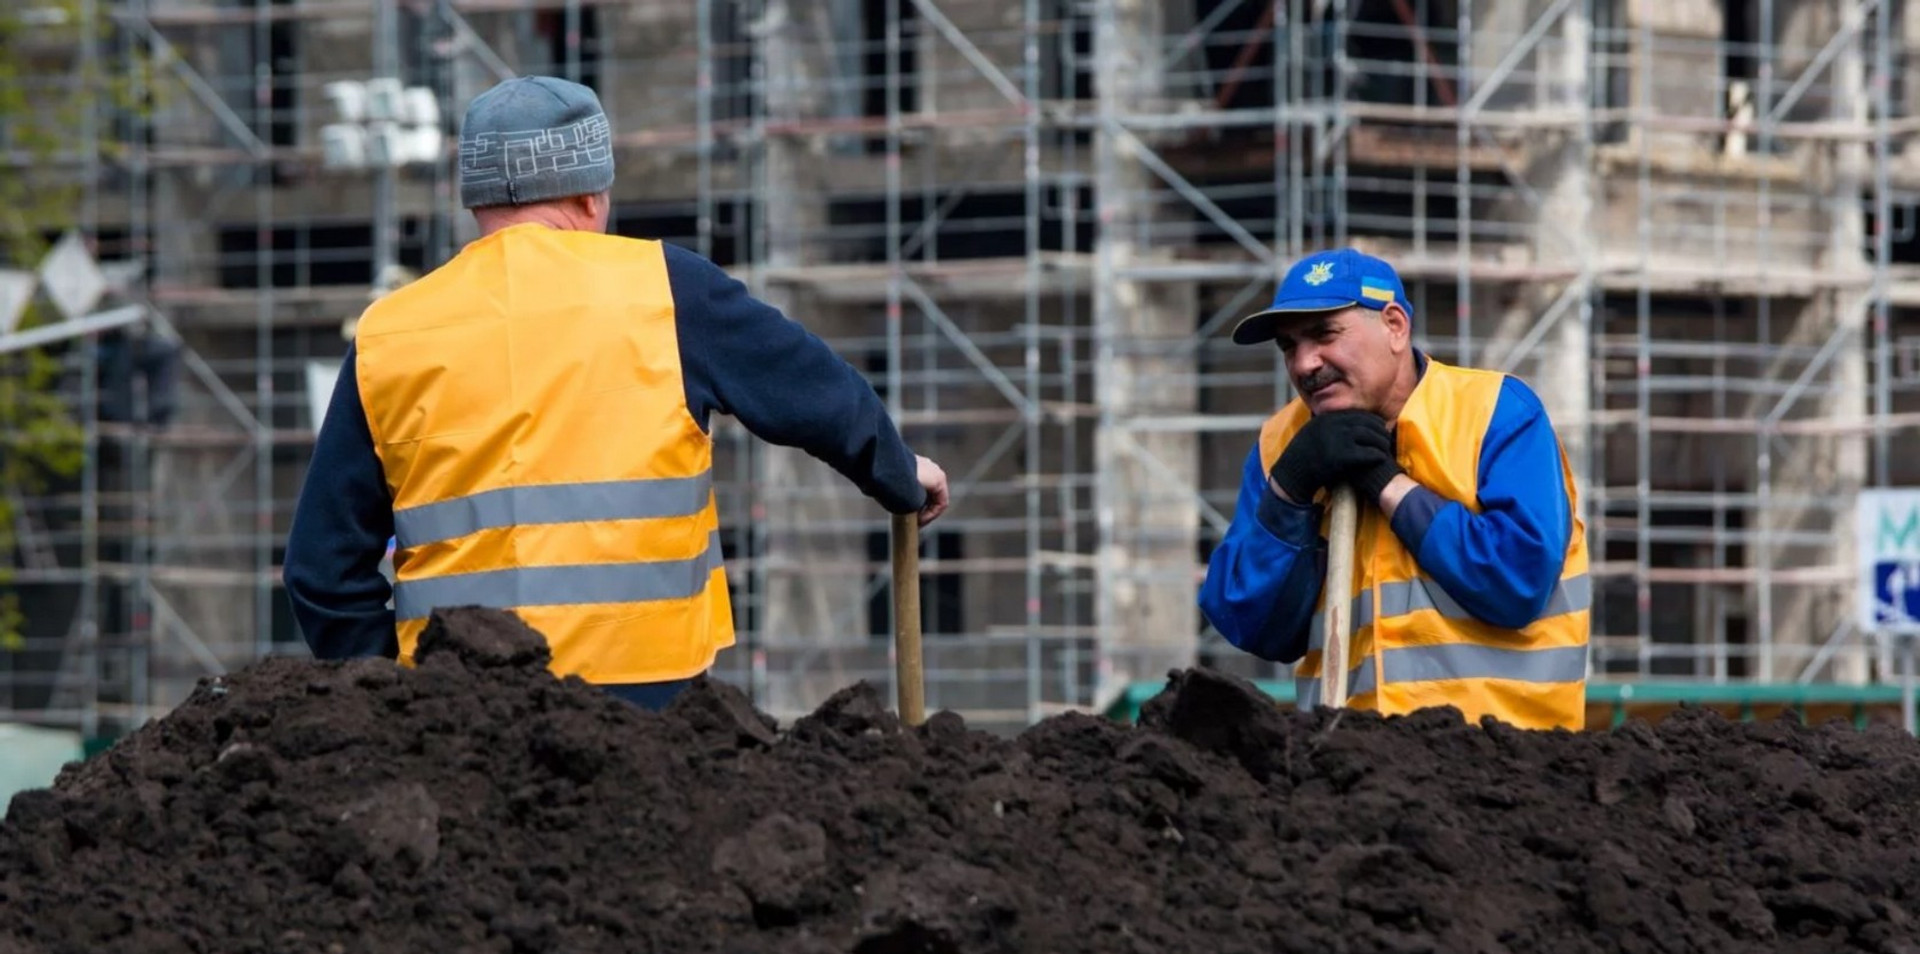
column 262, row 524
column 1643, row 363
column 1107, row 195
column 1881, row 83
column 1463, row 196
column 1764, row 465
column 1035, row 195
column 896, row 276
column 86, row 631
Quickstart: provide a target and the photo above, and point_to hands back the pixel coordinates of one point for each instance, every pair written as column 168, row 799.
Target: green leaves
column 63, row 73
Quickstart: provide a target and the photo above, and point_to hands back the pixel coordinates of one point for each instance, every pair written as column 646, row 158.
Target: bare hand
column 935, row 481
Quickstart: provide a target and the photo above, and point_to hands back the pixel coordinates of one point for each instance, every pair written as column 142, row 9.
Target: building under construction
column 1691, row 225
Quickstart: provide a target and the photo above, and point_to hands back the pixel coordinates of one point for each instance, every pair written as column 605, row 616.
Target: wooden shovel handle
column 906, row 618
column 1341, row 529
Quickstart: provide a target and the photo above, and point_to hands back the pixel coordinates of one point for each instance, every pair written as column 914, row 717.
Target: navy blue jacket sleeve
column 339, row 536
column 741, row 356
column 1503, row 563
column 1264, row 577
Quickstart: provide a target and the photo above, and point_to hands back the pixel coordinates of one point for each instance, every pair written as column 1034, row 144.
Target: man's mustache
column 1317, row 380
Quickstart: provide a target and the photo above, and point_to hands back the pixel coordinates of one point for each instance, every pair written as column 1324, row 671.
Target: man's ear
column 1399, row 326
column 586, row 206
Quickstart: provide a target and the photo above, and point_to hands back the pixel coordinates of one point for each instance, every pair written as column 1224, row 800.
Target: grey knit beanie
column 534, row 138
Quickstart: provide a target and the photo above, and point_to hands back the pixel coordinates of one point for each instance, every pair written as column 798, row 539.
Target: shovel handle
column 1341, row 529
column 906, row 618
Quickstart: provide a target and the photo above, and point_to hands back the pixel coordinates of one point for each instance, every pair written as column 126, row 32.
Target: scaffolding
column 1690, row 226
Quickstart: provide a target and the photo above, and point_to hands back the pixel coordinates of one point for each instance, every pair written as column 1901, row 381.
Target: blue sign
column 1896, row 592
column 1887, row 535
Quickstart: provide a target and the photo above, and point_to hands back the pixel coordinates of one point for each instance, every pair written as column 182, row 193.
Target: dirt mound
column 474, row 803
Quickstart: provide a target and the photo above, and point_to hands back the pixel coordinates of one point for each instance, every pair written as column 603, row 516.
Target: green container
column 1611, row 704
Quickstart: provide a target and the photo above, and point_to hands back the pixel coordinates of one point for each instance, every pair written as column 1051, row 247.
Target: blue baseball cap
column 1326, row 281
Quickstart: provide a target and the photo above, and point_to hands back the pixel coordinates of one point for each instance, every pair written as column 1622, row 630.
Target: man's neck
column 532, row 215
column 1411, row 371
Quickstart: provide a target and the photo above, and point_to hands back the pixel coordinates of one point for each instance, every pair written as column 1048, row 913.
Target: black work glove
column 1350, row 447
column 1370, row 483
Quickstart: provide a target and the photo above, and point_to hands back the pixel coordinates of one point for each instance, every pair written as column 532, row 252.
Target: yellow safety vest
column 527, row 406
column 1413, row 646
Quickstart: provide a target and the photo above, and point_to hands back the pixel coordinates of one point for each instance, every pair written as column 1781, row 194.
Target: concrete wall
column 1697, row 225
column 1684, row 80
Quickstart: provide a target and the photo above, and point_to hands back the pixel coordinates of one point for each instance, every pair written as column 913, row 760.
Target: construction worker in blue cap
column 1470, row 563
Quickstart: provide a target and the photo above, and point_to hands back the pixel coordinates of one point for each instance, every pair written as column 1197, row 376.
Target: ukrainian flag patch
column 1375, row 289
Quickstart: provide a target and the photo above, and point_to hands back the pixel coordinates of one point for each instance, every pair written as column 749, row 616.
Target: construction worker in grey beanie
column 530, row 423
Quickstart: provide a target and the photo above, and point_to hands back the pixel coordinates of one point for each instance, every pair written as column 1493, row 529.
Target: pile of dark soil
column 477, row 804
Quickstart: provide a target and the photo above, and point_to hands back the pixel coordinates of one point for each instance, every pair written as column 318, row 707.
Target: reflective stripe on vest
column 552, row 503
column 570, row 585
column 1457, row 661
column 1399, row 598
